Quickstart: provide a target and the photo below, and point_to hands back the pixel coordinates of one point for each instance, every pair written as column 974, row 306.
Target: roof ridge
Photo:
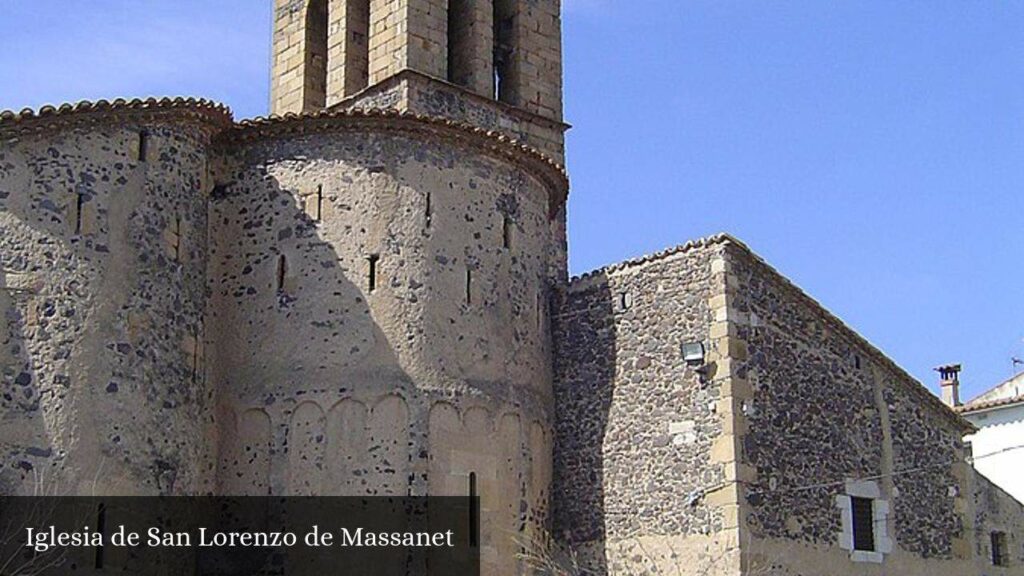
column 103, row 105
column 719, row 238
column 556, row 172
column 833, row 318
column 975, row 406
column 28, row 120
column 829, row 316
column 327, row 114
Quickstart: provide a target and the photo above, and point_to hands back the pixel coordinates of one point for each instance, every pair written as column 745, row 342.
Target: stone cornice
column 210, row 117
column 215, row 122
column 552, row 174
column 408, row 73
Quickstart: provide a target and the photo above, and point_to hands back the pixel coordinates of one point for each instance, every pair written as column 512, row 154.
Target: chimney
column 950, row 381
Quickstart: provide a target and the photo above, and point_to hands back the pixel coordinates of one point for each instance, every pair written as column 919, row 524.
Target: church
column 366, row 293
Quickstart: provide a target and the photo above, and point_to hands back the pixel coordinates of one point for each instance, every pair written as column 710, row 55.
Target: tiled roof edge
column 309, row 122
column 721, row 238
column 221, row 125
column 55, row 117
column 988, row 405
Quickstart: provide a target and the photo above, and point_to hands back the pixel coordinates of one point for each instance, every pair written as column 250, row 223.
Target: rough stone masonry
column 366, row 294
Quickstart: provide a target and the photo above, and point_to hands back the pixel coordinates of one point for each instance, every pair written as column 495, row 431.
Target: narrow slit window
column 177, row 239
column 195, row 358
column 540, row 311
column 143, row 146
column 429, row 210
column 101, row 528
column 469, row 285
column 79, row 206
column 999, row 549
column 282, row 272
column 319, row 203
column 625, row 301
column 474, row 512
column 506, row 233
column 371, row 273
column 863, row 524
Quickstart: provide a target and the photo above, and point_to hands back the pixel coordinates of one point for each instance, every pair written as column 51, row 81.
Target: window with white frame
column 865, row 522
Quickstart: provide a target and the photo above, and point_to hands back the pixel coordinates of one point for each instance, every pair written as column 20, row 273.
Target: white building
column 999, row 443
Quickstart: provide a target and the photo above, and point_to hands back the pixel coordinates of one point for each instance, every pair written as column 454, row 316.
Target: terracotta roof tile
column 49, row 116
column 553, row 172
column 988, row 404
column 221, row 125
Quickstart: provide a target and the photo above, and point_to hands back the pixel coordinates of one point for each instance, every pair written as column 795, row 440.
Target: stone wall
column 471, row 45
column 736, row 465
column 410, row 91
column 348, row 51
column 103, row 250
column 997, row 511
column 538, row 57
column 823, row 408
column 339, row 304
column 636, row 426
column 327, row 51
column 298, row 80
column 379, row 308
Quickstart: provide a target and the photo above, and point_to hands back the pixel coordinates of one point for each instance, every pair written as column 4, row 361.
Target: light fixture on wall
column 693, row 353
column 694, row 356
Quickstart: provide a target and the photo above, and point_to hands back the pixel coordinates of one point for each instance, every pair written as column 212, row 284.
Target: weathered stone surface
column 372, row 300
column 792, row 407
column 623, row 396
column 83, row 230
column 326, row 51
column 995, row 511
column 824, row 410
column 228, row 337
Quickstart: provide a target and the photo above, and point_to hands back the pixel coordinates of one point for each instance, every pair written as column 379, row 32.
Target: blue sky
column 872, row 151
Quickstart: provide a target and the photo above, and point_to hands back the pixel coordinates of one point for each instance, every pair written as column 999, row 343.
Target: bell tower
column 493, row 63
column 299, row 68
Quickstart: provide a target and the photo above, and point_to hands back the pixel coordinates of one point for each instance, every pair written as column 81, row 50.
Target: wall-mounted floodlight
column 693, row 353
